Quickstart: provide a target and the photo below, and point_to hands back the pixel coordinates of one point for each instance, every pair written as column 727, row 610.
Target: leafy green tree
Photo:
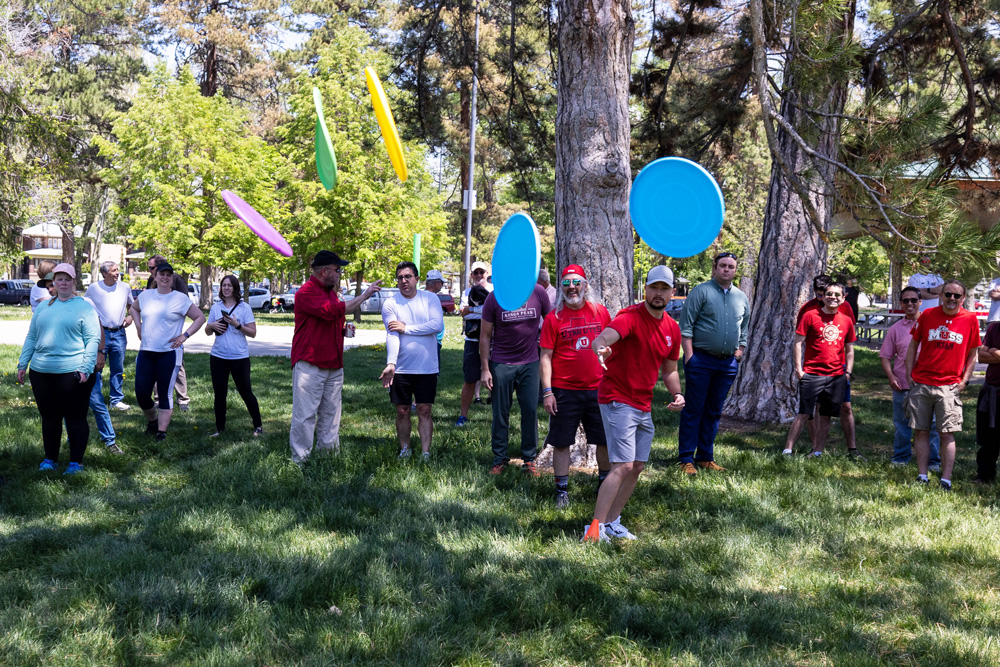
column 173, row 153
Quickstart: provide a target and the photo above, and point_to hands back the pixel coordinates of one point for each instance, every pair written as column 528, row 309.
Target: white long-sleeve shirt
column 415, row 350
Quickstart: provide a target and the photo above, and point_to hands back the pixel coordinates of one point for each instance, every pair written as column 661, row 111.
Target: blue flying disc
column 676, row 207
column 517, row 256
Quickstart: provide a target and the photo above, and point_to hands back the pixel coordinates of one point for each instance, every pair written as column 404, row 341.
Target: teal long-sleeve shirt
column 62, row 338
column 717, row 321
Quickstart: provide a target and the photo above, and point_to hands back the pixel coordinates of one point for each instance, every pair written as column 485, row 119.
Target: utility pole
column 470, row 195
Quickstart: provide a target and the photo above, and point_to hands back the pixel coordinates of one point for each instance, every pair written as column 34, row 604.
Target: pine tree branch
column 963, row 63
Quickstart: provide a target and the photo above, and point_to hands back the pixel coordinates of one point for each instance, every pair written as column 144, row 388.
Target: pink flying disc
column 256, row 222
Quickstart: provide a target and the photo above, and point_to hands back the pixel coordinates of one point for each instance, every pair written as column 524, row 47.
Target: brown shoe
column 498, row 468
column 529, row 467
column 710, row 465
column 689, row 469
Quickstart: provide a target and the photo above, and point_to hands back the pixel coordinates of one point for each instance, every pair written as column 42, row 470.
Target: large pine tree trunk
column 593, row 174
column 792, row 250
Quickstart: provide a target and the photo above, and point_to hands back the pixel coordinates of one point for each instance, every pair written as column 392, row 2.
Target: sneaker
column 425, row 457
column 710, row 465
column 405, row 453
column 600, row 536
column 151, row 427
column 160, row 436
column 562, row 500
column 787, row 452
column 945, row 485
column 258, row 431
column 478, row 401
column 47, row 464
column 617, row 530
column 689, row 469
column 216, row 434
column 461, row 421
column 114, row 449
column 855, row 455
column 184, row 408
column 815, row 455
column 921, row 480
column 120, row 406
column 73, row 468
column 489, row 400
column 498, row 468
column 530, row 468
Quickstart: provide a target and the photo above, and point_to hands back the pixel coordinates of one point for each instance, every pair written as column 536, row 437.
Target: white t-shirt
column 162, row 318
column 925, row 281
column 994, row 315
column 111, row 302
column 38, row 294
column 232, row 344
column 415, row 350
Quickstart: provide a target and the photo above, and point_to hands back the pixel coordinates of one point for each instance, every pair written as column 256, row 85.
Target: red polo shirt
column 319, row 326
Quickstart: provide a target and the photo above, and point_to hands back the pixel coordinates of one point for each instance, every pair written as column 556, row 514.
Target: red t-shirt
column 569, row 335
column 826, row 338
column 816, row 304
column 319, row 326
column 945, row 342
column 634, row 365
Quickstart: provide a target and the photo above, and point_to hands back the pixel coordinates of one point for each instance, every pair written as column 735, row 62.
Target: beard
column 659, row 304
column 573, row 300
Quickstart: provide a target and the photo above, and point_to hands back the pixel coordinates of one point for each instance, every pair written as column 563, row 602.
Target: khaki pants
column 316, row 398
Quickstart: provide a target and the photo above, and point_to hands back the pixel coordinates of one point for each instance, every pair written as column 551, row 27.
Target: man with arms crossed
column 893, row 358
column 646, row 345
column 570, row 373
column 318, row 356
column 939, row 363
column 987, row 427
column 828, row 335
column 714, row 328
column 413, row 318
column 512, row 365
column 111, row 298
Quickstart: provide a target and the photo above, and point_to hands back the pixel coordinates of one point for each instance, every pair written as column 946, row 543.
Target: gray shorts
column 629, row 432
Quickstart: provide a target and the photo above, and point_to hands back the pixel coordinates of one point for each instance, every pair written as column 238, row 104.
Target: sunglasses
column 568, row 282
column 910, row 301
column 478, row 271
column 953, row 295
column 723, row 255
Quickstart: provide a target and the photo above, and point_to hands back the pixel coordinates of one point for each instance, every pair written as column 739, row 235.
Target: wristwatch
column 104, row 351
column 186, row 334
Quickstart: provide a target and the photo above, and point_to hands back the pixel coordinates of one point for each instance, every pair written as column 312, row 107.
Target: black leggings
column 60, row 396
column 159, row 368
column 240, row 370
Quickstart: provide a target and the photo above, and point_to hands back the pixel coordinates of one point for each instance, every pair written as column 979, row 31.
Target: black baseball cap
column 163, row 267
column 326, row 258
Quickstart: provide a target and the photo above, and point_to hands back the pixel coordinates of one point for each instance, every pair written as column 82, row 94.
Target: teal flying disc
column 517, row 256
column 676, row 207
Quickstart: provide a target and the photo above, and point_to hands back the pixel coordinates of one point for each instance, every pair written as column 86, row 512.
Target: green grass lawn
column 15, row 313
column 222, row 552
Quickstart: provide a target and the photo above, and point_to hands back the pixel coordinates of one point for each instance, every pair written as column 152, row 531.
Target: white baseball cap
column 434, row 274
column 660, row 274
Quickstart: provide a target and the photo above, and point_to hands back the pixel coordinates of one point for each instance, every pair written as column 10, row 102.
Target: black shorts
column 826, row 390
column 572, row 407
column 471, row 368
column 406, row 388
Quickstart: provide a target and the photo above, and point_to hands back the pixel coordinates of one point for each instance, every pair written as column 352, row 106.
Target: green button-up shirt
column 715, row 319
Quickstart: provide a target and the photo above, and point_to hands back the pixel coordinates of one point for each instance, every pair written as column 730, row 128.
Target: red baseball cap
column 574, row 268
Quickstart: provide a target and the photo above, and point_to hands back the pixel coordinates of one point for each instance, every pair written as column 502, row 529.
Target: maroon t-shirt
column 515, row 332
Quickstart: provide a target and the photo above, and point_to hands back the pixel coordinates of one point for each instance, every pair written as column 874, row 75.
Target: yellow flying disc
column 386, row 123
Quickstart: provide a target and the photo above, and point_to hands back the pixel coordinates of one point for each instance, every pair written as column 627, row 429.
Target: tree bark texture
column 792, row 250
column 593, row 175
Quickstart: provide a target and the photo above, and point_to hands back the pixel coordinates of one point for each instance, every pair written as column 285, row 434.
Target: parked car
column 136, row 292
column 258, row 298
column 287, row 300
column 15, row 292
column 374, row 304
column 447, row 302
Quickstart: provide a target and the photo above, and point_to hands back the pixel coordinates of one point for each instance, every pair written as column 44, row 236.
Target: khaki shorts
column 927, row 401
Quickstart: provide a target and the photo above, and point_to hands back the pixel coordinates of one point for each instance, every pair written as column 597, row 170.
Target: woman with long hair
column 61, row 350
column 159, row 317
column 231, row 320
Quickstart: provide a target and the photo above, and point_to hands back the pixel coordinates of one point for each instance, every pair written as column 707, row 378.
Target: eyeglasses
column 405, row 276
column 953, row 295
column 834, row 294
column 568, row 282
column 910, row 301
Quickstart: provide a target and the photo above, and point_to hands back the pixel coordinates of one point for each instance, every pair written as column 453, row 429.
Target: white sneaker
column 602, row 534
column 617, row 530
column 121, row 406
column 405, row 453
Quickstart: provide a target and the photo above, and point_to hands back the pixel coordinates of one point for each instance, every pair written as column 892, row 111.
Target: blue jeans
column 902, row 444
column 115, row 342
column 101, row 415
column 707, row 380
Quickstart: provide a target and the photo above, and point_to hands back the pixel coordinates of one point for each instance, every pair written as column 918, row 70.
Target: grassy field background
column 223, row 552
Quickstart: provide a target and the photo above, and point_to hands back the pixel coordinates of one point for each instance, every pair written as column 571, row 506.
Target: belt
column 113, row 329
column 724, row 357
